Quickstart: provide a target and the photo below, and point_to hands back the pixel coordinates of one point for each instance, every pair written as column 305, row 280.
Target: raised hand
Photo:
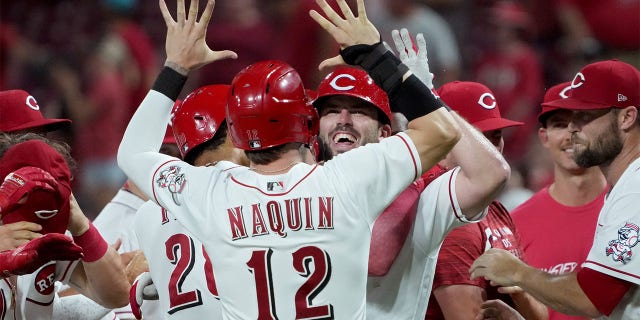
column 186, row 45
column 30, row 256
column 417, row 62
column 351, row 30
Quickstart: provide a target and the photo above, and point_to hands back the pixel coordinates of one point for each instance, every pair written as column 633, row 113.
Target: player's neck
column 576, row 190
column 279, row 166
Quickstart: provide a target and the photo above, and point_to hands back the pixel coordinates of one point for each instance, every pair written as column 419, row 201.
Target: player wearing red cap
column 605, row 132
column 20, row 113
column 286, row 239
column 99, row 275
column 455, row 295
column 574, row 199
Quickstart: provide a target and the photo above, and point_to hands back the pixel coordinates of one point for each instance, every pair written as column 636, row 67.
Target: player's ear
column 385, row 131
column 542, row 135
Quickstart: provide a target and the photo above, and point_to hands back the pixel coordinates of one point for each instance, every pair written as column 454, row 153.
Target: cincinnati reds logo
column 172, row 180
column 32, row 103
column 620, row 249
column 577, row 81
column 334, row 82
column 46, row 214
column 564, row 92
column 487, row 101
column 45, row 279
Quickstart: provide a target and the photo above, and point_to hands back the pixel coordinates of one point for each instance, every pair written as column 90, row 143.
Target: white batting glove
column 142, row 289
column 416, row 61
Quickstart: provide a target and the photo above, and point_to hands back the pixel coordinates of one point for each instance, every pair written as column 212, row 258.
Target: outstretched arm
column 483, row 170
column 186, row 51
column 431, row 128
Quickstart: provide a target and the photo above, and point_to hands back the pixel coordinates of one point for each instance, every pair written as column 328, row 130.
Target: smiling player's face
column 347, row 123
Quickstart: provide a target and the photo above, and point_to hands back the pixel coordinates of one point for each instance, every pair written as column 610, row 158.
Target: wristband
column 92, row 243
column 413, row 99
column 169, row 82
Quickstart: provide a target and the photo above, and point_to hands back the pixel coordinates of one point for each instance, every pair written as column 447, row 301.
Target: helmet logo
column 46, row 214
column 32, row 103
column 334, row 82
column 254, row 140
column 487, row 96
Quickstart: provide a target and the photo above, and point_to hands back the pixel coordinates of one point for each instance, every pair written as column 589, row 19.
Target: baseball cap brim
column 495, row 124
column 575, row 104
column 46, row 124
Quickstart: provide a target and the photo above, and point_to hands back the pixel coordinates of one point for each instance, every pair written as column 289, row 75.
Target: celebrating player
column 180, row 268
column 574, row 198
column 455, row 296
column 605, row 132
column 286, row 239
column 354, row 112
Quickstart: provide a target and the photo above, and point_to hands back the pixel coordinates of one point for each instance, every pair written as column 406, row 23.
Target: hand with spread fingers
column 417, row 61
column 349, row 31
column 186, row 45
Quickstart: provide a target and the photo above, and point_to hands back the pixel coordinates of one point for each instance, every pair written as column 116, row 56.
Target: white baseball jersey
column 290, row 246
column 403, row 293
column 31, row 296
column 178, row 264
column 616, row 245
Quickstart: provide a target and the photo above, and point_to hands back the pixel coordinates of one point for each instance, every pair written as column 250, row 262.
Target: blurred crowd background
column 93, row 61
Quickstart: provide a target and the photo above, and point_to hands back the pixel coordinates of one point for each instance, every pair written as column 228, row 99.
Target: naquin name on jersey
column 281, row 216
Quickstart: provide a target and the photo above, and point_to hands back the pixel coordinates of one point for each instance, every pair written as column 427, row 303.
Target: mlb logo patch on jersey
column 275, row 186
column 620, row 249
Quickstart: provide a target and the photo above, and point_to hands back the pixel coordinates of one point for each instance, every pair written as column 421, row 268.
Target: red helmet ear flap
column 197, row 119
column 354, row 82
column 268, row 106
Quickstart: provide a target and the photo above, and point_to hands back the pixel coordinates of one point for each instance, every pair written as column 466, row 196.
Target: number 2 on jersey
column 180, row 252
column 260, row 266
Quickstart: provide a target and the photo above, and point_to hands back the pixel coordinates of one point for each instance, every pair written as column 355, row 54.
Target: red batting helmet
column 267, row 106
column 354, row 82
column 199, row 116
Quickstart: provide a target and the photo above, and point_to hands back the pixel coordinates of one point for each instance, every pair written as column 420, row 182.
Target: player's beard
column 602, row 150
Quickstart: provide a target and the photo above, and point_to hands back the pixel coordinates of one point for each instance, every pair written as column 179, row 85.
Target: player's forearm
column 559, row 292
column 434, row 135
column 106, row 281
column 144, row 134
column 484, row 170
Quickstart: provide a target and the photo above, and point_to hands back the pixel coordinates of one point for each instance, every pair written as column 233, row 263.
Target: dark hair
column 9, row 140
column 214, row 143
column 269, row 155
